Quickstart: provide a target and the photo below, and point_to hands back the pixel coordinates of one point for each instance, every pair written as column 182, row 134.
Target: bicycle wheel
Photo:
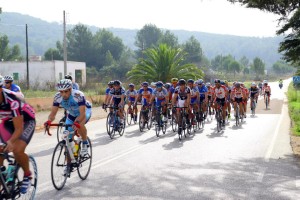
column 157, row 125
column 129, row 118
column 84, row 161
column 18, row 178
column 180, row 133
column 58, row 165
column 149, row 124
column 122, row 127
column 164, row 127
column 174, row 124
column 109, row 123
column 237, row 116
column 184, row 126
column 141, row 122
column 60, row 129
column 266, row 102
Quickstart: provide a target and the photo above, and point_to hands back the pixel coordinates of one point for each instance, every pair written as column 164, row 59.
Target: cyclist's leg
column 224, row 108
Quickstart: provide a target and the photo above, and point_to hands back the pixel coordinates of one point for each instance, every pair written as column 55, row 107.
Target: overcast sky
column 213, row 16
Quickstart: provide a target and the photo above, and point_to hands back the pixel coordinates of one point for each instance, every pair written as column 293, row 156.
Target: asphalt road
column 254, row 161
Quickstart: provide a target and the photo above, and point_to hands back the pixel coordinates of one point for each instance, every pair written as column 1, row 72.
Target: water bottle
column 76, row 147
column 72, row 145
column 10, row 173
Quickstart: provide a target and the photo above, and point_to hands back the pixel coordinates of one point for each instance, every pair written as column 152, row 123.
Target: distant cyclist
column 78, row 109
column 118, row 98
column 266, row 91
column 220, row 96
column 280, row 83
column 253, row 93
column 161, row 98
column 110, row 86
column 131, row 95
column 8, row 80
column 74, row 85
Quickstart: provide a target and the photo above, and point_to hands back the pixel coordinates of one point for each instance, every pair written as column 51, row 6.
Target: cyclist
column 8, row 80
column 266, row 90
column 280, row 83
column 238, row 94
column 195, row 97
column 220, row 96
column 174, row 82
column 75, row 86
column 253, row 93
column 168, row 87
column 182, row 93
column 245, row 98
column 161, row 98
column 107, row 99
column 203, row 96
column 131, row 94
column 145, row 94
column 228, row 98
column 117, row 98
column 79, row 110
column 260, row 85
column 210, row 93
column 16, row 129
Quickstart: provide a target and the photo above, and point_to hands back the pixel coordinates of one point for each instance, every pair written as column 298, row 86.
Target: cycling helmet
column 253, row 84
column 174, row 80
column 64, row 84
column 110, row 83
column 200, row 81
column 117, row 82
column 191, row 81
column 237, row 84
column 131, row 85
column 167, row 85
column 153, row 84
column 222, row 82
column 145, row 84
column 226, row 82
column 68, row 77
column 159, row 84
column 1, row 81
column 8, row 78
column 182, row 82
column 217, row 81
column 208, row 84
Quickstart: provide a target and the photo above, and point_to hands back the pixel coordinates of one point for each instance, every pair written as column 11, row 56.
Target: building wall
column 42, row 73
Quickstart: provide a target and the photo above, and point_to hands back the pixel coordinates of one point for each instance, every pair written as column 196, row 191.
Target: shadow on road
column 240, row 179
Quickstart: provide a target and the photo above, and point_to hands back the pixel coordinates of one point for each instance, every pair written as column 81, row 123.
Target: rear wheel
column 149, row 124
column 142, row 121
column 59, row 165
column 174, row 123
column 129, row 116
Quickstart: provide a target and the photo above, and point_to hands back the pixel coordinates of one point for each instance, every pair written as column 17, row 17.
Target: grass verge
column 294, row 108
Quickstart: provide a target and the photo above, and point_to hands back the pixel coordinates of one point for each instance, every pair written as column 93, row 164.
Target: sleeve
column 80, row 100
column 188, row 90
column 176, row 91
column 111, row 92
column 16, row 108
column 107, row 91
column 140, row 91
column 56, row 101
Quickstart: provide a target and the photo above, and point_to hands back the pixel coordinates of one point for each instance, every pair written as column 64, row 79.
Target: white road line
column 297, row 181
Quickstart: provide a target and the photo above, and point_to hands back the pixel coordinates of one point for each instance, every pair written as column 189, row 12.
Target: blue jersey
column 202, row 91
column 194, row 92
column 160, row 95
column 146, row 94
column 14, row 88
column 172, row 89
column 75, row 86
column 107, row 91
column 72, row 104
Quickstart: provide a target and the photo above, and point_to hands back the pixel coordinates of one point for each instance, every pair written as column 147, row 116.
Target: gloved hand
column 47, row 124
column 76, row 126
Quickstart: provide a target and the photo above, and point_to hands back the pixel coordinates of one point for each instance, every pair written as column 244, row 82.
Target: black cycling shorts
column 221, row 101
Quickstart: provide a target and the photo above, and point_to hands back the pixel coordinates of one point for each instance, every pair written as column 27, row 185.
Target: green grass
column 294, row 108
column 43, row 94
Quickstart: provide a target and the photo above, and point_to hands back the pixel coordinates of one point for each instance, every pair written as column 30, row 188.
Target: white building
column 43, row 73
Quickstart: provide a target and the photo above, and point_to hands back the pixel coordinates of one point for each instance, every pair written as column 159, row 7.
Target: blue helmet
column 145, row 84
column 159, row 84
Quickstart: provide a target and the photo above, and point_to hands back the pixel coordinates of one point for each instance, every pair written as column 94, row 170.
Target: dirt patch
column 295, row 143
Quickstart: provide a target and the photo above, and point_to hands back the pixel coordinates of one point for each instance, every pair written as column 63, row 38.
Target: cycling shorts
column 131, row 99
column 70, row 119
column 221, row 101
column 158, row 102
column 268, row 93
column 7, row 129
column 238, row 100
column 193, row 100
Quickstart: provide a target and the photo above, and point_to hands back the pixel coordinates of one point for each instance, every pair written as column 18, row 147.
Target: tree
column 193, row 49
column 289, row 16
column 281, row 67
column 170, row 39
column 7, row 53
column 234, row 67
column 147, row 37
column 162, row 63
column 244, row 61
column 258, row 67
column 53, row 54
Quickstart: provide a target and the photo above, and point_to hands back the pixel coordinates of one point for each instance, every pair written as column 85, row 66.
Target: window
column 16, row 76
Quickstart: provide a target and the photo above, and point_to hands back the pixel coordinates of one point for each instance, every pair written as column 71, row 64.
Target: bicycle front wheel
column 84, row 162
column 129, row 116
column 59, row 165
column 18, row 178
column 60, row 129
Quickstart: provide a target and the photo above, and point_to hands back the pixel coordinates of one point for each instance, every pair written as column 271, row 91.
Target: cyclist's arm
column 188, row 99
column 81, row 117
column 122, row 99
column 174, row 99
column 53, row 113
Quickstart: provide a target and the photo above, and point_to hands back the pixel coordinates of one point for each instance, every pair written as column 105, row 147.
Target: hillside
column 43, row 35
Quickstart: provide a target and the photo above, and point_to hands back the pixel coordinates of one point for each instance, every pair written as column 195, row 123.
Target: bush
column 294, row 108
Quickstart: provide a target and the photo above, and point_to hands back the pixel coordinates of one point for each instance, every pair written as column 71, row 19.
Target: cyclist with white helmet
column 78, row 108
column 8, row 80
column 75, row 85
column 131, row 95
column 203, row 96
column 117, row 94
column 266, row 90
column 253, row 93
column 195, row 97
column 220, row 96
column 161, row 98
column 238, row 94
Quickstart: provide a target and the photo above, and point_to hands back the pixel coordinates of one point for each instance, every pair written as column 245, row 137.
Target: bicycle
column 267, row 96
column 210, row 111
column 67, row 158
column 174, row 121
column 11, row 179
column 130, row 116
column 113, row 122
column 238, row 117
column 145, row 118
column 160, row 124
column 253, row 105
column 219, row 116
column 200, row 122
column 182, row 122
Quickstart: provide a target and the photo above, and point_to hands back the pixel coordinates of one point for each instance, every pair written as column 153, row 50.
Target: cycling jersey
column 194, row 92
column 210, row 91
column 253, row 91
column 267, row 89
column 237, row 93
column 12, row 107
column 71, row 104
column 160, row 95
column 75, row 86
column 220, row 92
column 145, row 95
column 182, row 95
column 131, row 95
column 202, row 91
column 107, row 90
column 14, row 88
column 246, row 92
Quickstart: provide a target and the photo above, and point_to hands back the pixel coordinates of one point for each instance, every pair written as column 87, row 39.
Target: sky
column 212, row 16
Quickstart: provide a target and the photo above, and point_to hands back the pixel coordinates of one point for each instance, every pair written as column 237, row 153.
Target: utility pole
column 27, row 59
column 65, row 45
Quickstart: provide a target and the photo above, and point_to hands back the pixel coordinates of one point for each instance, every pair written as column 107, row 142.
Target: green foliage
column 281, row 67
column 294, row 108
column 169, row 38
column 7, row 53
column 162, row 63
column 53, row 54
column 193, row 49
column 258, row 67
column 234, row 67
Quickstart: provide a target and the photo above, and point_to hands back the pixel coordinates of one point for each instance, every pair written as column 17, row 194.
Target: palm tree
column 163, row 63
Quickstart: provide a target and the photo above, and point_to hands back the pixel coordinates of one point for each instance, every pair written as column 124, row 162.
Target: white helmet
column 64, row 84
column 1, row 81
column 8, row 78
column 153, row 84
column 253, row 84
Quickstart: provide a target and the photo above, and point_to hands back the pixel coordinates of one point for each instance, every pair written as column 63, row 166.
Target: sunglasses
column 7, row 82
column 64, row 91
